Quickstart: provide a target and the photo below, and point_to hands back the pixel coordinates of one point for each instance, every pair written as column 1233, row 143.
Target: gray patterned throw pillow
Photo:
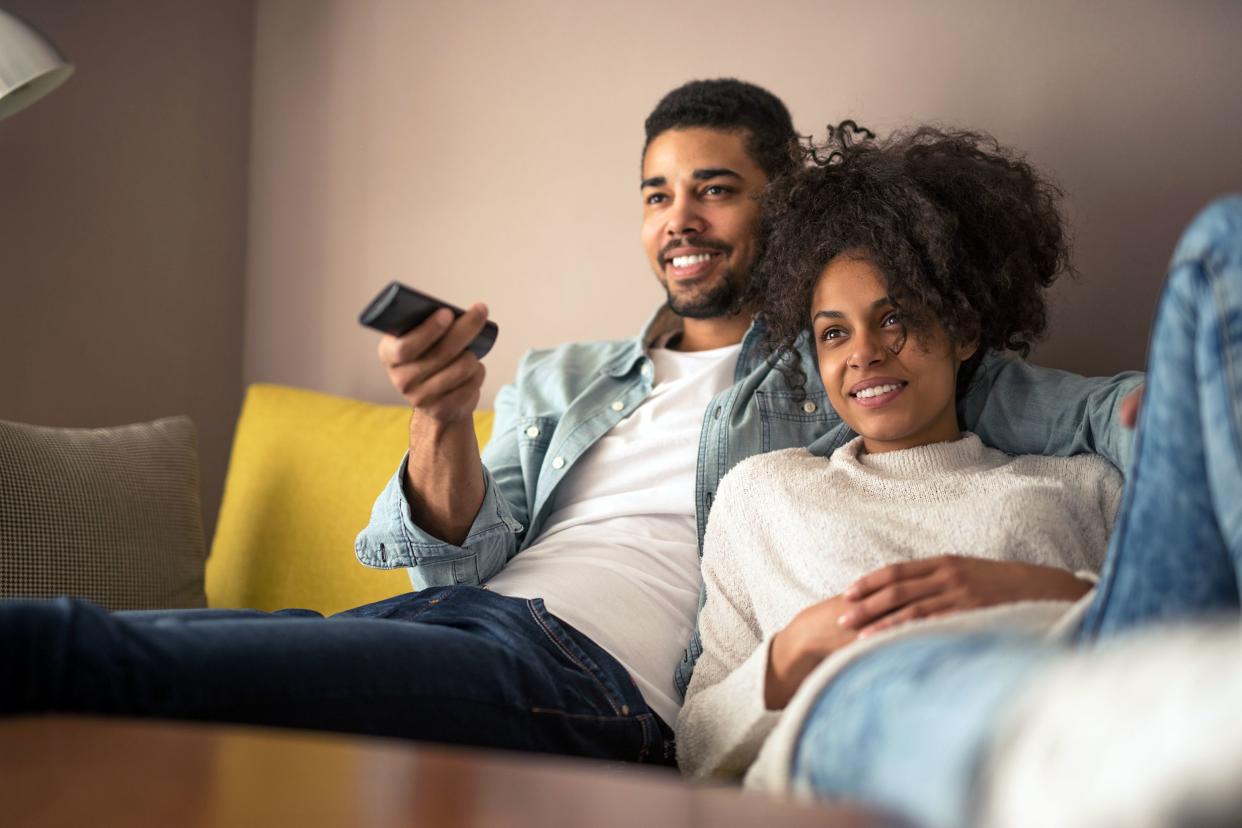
column 108, row 514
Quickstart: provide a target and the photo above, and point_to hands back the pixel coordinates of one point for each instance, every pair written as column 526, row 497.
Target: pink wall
column 489, row 150
column 123, row 219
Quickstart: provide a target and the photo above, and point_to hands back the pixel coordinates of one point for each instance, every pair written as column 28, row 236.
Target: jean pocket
column 565, row 640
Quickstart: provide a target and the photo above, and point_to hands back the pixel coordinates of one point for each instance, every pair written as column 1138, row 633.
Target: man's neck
column 708, row 334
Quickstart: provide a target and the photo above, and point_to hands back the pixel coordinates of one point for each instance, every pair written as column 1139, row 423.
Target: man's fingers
column 410, row 369
column 890, row 599
column 460, row 334
column 435, row 342
column 458, row 403
column 396, row 350
column 1131, row 405
column 420, row 391
column 889, row 575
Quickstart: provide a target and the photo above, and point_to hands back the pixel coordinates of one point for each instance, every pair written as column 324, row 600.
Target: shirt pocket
column 790, row 422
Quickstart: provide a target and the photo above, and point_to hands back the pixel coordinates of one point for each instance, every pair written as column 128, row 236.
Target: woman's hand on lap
column 948, row 584
column 810, row 637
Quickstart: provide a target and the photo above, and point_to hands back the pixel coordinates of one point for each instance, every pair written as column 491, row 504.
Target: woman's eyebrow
column 836, row 314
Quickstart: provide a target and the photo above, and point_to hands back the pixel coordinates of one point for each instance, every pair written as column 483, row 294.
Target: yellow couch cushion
column 304, row 471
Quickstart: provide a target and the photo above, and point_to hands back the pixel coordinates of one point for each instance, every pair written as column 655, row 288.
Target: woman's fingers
column 890, row 575
column 941, row 604
column 900, row 592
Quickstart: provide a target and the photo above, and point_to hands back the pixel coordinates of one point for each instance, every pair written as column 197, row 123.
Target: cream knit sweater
column 789, row 529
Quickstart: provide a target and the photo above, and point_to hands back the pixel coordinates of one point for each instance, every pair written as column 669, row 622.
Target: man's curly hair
column 731, row 104
column 966, row 233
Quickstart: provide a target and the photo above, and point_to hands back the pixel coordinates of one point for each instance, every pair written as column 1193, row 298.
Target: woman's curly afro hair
column 966, row 233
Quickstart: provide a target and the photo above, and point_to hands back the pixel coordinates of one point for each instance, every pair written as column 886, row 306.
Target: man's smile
column 684, row 262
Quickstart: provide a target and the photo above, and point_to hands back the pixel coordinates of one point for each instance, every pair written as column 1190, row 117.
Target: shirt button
column 558, row 462
column 618, row 405
column 532, row 432
column 808, row 407
column 646, row 370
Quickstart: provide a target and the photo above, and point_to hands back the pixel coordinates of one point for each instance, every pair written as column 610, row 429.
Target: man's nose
column 685, row 219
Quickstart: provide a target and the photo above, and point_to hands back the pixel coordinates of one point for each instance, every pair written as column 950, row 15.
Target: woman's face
column 896, row 393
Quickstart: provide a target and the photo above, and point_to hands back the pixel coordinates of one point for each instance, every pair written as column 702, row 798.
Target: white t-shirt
column 619, row 557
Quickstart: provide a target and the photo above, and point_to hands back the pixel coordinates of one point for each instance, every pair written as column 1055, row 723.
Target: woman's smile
column 877, row 391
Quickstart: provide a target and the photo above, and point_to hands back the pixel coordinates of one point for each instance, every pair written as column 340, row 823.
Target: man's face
column 701, row 218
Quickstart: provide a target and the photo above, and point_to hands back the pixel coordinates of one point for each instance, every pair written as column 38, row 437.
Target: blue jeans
column 904, row 728
column 449, row 664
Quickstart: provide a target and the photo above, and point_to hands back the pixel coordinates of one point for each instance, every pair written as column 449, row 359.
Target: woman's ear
column 965, row 350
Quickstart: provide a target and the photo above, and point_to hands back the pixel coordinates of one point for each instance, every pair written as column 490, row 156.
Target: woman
column 915, row 257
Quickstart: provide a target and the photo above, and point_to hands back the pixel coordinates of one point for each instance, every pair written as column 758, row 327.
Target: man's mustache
column 704, row 244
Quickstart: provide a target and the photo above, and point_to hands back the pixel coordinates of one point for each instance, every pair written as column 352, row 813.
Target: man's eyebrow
column 697, row 175
column 835, row 314
column 714, row 172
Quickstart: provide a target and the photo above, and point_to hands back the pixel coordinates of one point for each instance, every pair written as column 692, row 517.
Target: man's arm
column 441, row 379
column 1021, row 408
column 442, row 515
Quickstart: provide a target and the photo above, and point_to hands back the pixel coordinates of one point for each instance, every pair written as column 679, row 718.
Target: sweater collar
column 936, row 458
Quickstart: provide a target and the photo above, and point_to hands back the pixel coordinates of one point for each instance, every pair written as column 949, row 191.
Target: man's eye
column 716, row 189
column 655, row 198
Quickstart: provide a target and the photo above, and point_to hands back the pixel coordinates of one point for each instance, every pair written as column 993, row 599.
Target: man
column 583, row 517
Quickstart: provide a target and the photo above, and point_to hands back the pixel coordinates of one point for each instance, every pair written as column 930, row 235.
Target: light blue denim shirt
column 566, row 398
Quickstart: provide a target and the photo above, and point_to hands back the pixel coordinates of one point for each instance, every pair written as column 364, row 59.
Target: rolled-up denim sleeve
column 392, row 539
column 1021, row 408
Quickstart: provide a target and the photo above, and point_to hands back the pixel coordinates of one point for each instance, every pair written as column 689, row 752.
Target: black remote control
column 398, row 308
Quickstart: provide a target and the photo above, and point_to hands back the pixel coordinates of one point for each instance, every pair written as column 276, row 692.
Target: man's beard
column 726, row 298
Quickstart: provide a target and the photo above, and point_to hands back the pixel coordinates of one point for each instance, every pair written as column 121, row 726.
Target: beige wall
column 123, row 219
column 489, row 150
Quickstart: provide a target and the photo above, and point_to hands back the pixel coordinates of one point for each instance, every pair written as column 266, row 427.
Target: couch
column 112, row 515
column 304, row 471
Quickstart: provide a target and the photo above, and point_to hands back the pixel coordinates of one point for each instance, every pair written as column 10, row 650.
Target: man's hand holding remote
column 441, row 379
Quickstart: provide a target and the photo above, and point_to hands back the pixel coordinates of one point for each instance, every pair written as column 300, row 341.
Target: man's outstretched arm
column 442, row 515
column 441, row 380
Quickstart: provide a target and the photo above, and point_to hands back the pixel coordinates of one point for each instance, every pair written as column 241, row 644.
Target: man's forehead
column 699, row 153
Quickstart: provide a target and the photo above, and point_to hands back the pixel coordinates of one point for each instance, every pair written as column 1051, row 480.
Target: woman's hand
column 949, row 584
column 798, row 649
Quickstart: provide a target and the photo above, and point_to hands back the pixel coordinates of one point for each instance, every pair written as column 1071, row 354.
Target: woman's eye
column 717, row 189
column 830, row 334
column 893, row 318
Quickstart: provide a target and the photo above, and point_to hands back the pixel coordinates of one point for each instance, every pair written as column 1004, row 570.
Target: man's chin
column 722, row 299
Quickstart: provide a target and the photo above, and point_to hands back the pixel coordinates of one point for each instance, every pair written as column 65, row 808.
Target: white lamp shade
column 30, row 66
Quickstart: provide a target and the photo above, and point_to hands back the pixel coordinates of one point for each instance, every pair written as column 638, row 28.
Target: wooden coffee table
column 58, row 771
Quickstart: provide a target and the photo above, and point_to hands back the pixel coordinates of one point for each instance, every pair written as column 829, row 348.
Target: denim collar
column 662, row 325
